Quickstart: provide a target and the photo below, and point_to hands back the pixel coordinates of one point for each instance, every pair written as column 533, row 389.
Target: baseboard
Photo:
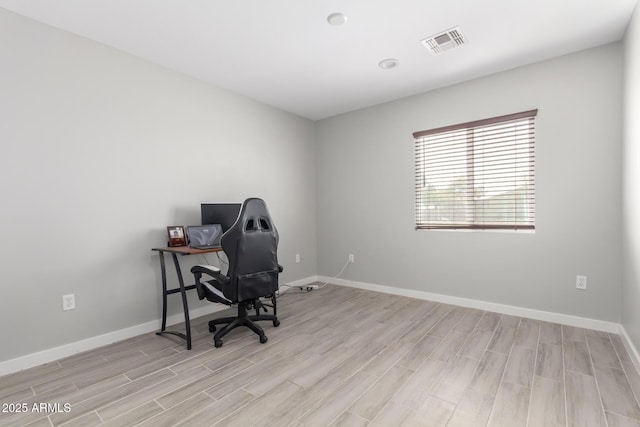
column 52, row 354
column 66, row 350
column 564, row 319
column 631, row 349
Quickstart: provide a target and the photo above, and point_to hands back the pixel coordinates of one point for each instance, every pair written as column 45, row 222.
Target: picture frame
column 177, row 236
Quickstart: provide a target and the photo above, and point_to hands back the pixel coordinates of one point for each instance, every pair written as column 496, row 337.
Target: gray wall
column 631, row 182
column 366, row 181
column 100, row 152
column 102, row 146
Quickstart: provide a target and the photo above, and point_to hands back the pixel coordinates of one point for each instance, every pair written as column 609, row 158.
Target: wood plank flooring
column 342, row 357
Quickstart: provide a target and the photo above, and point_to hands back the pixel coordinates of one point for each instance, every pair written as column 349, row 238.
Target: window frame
column 471, row 221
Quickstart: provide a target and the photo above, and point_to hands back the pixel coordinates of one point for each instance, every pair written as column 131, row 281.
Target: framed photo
column 176, row 236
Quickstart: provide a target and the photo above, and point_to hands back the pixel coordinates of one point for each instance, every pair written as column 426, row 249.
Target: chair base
column 244, row 319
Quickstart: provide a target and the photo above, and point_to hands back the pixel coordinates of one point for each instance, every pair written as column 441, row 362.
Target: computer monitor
column 224, row 214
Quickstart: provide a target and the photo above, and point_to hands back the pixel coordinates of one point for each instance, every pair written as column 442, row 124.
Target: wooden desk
column 175, row 251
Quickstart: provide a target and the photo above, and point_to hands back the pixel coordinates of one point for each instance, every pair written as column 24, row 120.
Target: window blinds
column 477, row 175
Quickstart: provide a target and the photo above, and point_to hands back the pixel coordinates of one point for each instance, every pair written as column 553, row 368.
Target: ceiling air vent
column 444, row 41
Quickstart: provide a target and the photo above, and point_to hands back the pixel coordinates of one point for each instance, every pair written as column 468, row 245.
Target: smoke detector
column 444, row 41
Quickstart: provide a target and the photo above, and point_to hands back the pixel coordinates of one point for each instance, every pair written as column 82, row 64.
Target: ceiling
column 284, row 52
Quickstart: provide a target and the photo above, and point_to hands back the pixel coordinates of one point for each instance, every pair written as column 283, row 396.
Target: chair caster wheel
column 276, row 323
column 212, row 328
column 263, row 339
column 217, row 343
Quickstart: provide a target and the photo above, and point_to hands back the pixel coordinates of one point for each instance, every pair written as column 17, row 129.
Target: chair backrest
column 251, row 245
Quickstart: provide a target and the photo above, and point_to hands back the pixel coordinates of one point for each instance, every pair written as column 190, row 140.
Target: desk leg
column 183, row 291
column 163, row 270
column 185, row 305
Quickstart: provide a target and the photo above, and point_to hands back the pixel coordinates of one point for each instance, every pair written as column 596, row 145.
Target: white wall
column 631, row 182
column 366, row 189
column 100, row 152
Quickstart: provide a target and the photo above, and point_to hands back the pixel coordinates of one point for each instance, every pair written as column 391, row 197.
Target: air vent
column 444, row 41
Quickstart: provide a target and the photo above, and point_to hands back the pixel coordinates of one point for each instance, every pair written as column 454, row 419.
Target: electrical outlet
column 351, row 258
column 297, row 257
column 581, row 282
column 68, row 302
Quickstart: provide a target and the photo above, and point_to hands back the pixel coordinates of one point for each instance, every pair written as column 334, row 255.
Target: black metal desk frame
column 175, row 251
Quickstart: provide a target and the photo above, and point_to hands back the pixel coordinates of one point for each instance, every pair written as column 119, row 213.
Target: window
column 477, row 175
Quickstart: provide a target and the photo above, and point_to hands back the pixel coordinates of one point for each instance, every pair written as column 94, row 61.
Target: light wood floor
column 344, row 357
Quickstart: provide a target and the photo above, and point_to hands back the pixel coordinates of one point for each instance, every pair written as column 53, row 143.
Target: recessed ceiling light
column 336, row 19
column 387, row 64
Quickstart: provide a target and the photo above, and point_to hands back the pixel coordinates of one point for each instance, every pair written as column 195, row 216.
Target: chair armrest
column 211, row 270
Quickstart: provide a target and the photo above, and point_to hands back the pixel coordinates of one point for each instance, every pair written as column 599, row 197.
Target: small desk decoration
column 176, row 236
